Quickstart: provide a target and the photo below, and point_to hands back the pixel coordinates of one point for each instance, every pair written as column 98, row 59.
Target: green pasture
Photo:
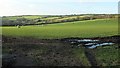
column 84, row 29
column 27, row 17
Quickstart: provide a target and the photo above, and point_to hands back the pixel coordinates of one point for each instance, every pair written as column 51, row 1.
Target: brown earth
column 45, row 52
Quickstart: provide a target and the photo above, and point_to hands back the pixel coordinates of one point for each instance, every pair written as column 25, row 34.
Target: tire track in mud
column 91, row 57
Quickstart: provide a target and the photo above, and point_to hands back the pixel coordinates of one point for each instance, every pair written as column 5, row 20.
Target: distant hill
column 50, row 19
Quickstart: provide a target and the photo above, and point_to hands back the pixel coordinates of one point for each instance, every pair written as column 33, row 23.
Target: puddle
column 89, row 43
column 87, row 40
column 83, row 41
column 91, row 46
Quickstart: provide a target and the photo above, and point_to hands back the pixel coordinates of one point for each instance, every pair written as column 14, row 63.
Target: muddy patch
column 54, row 52
column 92, row 42
column 46, row 54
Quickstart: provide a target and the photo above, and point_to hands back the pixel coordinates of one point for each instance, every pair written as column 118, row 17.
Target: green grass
column 25, row 16
column 108, row 56
column 91, row 28
column 105, row 56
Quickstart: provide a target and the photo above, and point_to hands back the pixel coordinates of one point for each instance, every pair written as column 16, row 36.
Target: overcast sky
column 57, row 7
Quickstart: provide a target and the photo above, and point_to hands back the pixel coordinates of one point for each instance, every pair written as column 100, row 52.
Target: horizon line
column 54, row 14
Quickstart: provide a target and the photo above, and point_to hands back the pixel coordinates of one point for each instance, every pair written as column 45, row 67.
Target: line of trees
column 63, row 18
column 19, row 21
column 76, row 18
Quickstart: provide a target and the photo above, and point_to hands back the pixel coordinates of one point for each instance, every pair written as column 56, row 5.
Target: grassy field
column 58, row 53
column 90, row 28
column 108, row 56
column 27, row 17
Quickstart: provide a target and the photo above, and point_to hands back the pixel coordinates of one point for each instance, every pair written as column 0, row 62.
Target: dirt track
column 91, row 57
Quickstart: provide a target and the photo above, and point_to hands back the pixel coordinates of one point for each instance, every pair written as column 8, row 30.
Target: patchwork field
column 90, row 28
column 55, row 44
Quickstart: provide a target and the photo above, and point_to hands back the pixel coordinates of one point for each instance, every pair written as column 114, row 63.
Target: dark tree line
column 62, row 18
column 19, row 21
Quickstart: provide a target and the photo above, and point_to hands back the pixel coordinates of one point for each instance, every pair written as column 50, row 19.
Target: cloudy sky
column 57, row 7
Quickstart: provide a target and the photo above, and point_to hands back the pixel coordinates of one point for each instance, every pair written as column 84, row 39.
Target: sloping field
column 91, row 28
column 25, row 16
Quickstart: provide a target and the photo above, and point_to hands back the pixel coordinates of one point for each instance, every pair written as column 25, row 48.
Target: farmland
column 92, row 28
column 56, row 40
